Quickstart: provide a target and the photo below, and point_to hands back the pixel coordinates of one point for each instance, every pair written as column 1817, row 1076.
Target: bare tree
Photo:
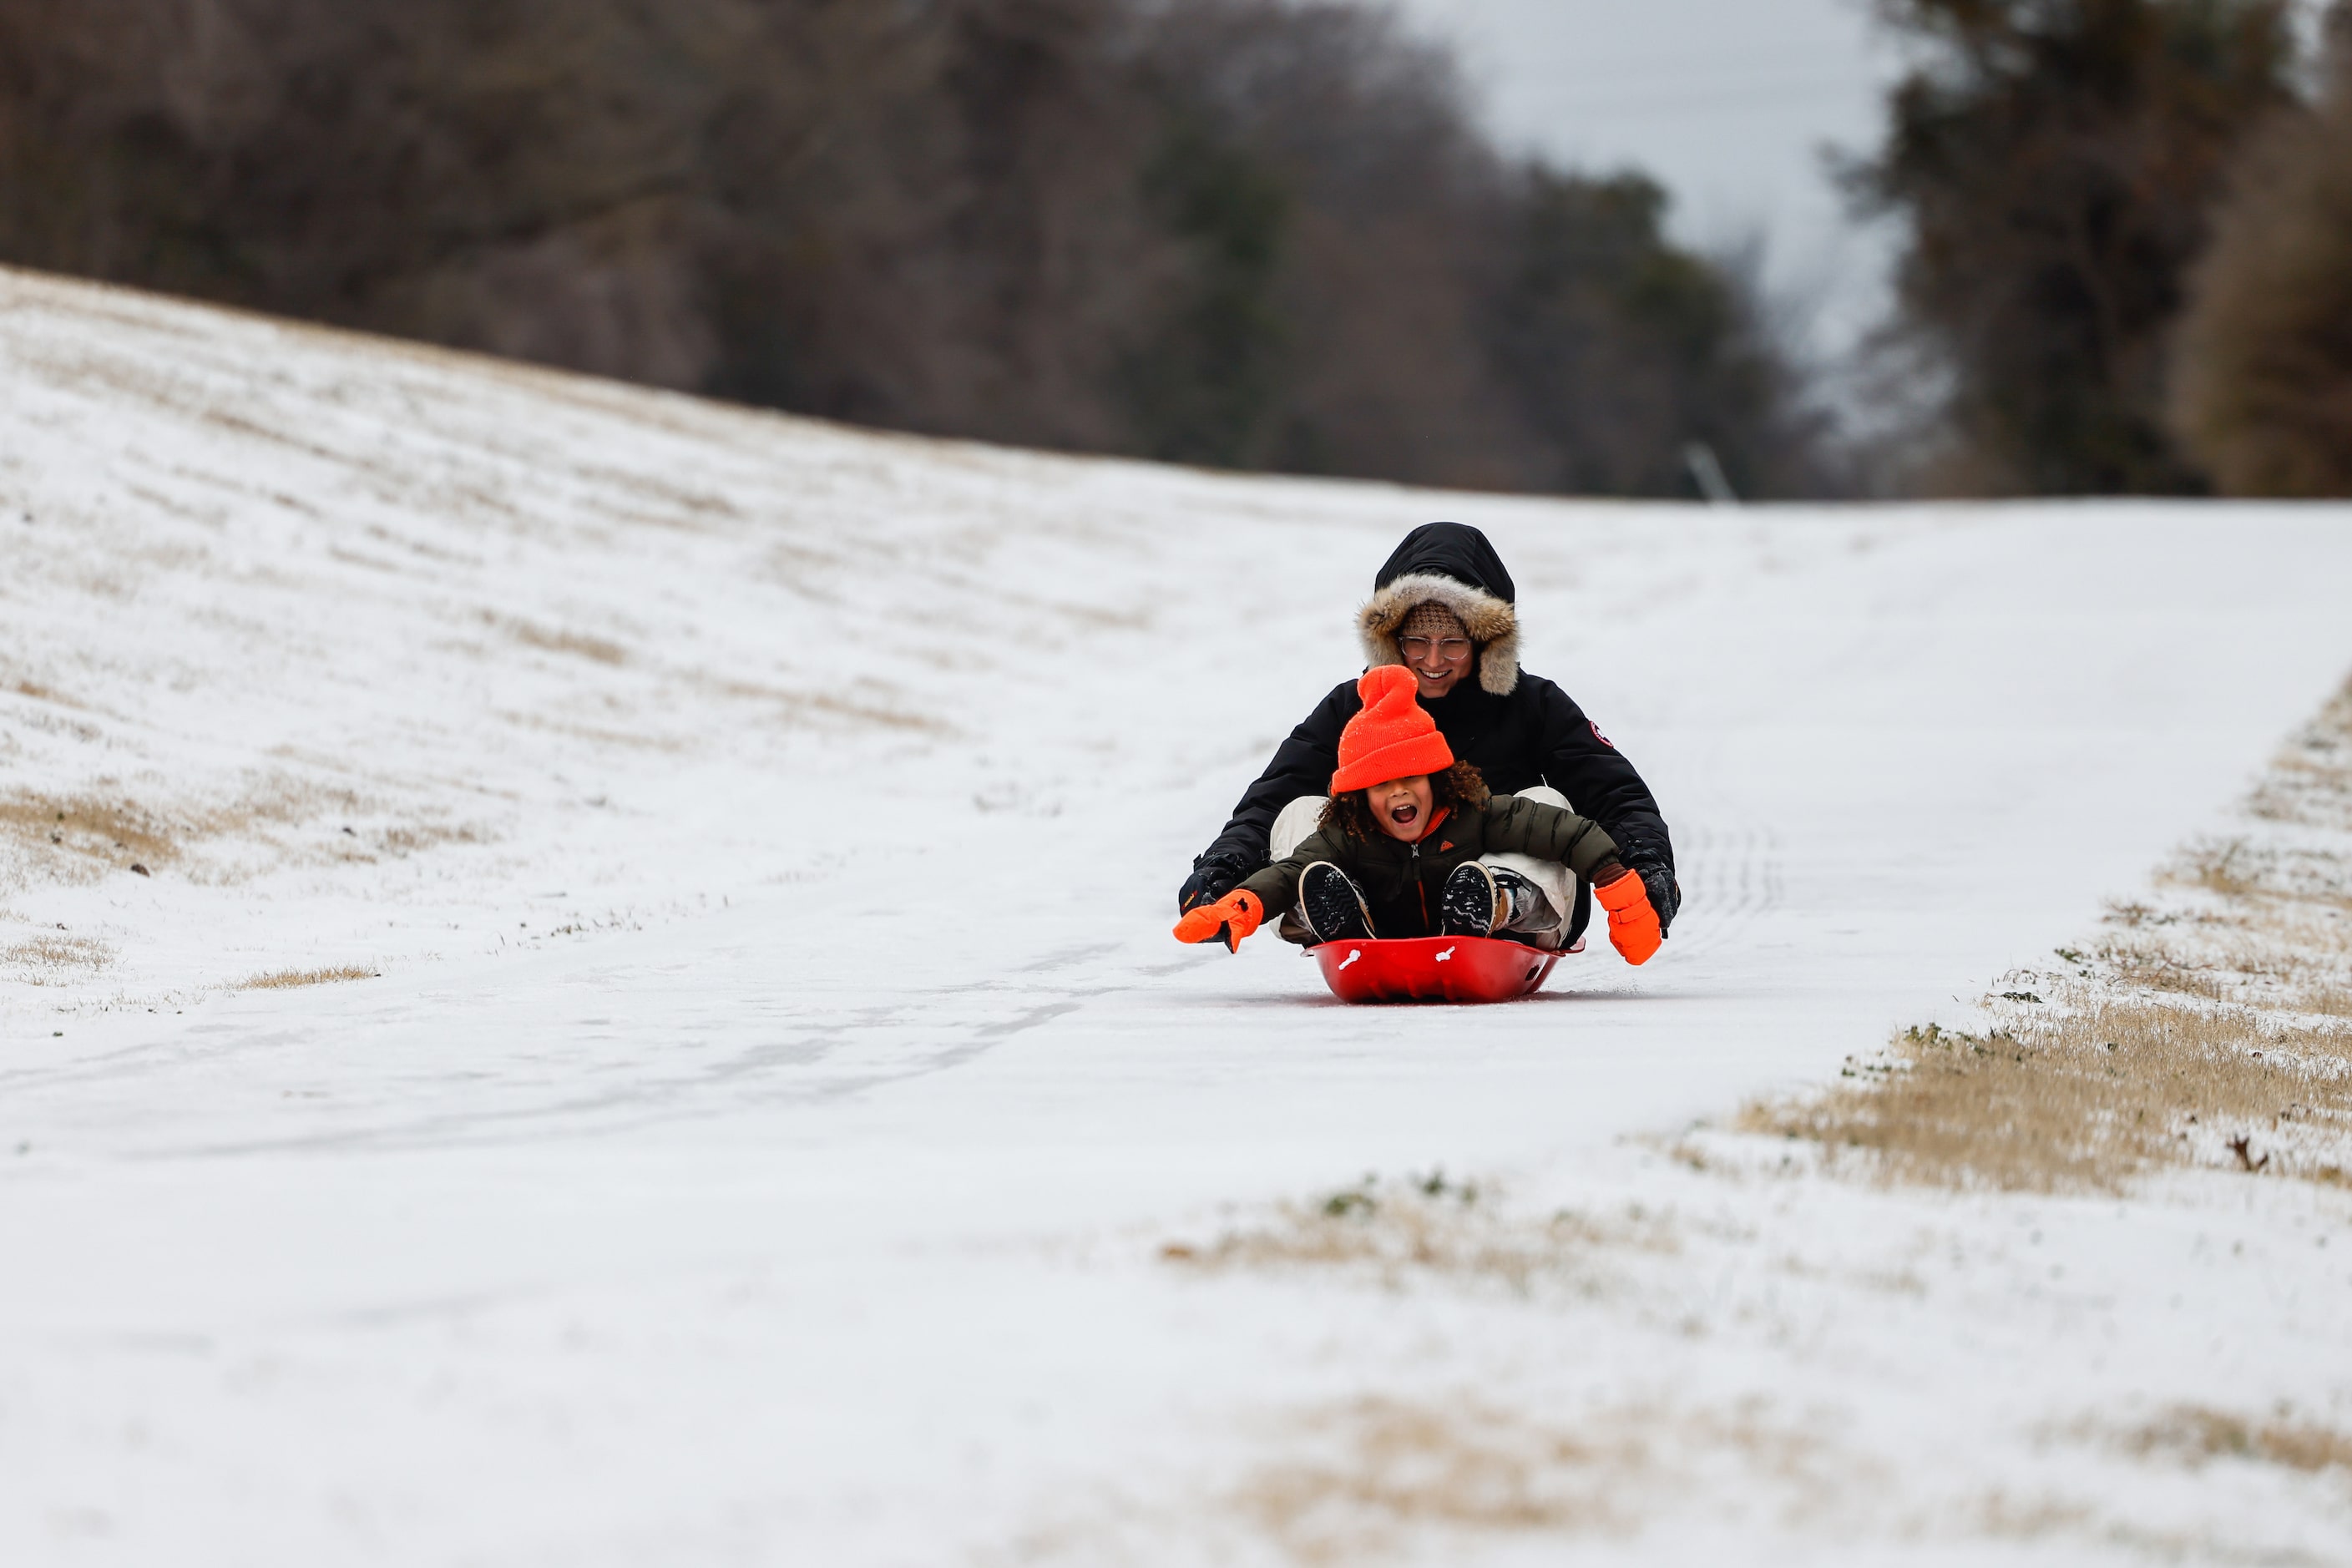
column 2261, row 389
column 2055, row 162
column 1249, row 232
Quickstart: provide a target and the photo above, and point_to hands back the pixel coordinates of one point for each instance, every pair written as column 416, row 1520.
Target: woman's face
column 1401, row 806
column 1438, row 652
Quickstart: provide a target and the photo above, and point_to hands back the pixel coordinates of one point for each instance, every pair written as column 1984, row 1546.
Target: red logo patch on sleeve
column 1598, row 736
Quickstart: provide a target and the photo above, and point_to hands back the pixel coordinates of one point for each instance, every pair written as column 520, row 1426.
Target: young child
column 1397, row 851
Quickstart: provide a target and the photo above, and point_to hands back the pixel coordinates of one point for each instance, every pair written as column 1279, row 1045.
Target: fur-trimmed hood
column 1449, row 563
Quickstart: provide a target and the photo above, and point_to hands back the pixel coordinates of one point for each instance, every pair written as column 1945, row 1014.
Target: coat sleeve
column 1516, row 826
column 1303, row 765
column 1276, row 886
column 1599, row 783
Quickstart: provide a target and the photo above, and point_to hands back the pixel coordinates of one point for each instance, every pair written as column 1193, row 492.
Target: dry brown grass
column 54, row 959
column 411, row 838
column 2329, row 1001
column 1362, row 1474
column 866, row 705
column 2196, row 1432
column 2090, row 1097
column 2210, row 1032
column 116, row 832
column 40, row 693
column 285, row 979
column 80, row 838
column 2309, row 782
column 2142, row 968
column 2237, row 868
column 580, row 644
column 1377, row 1477
column 1427, row 1225
column 597, row 734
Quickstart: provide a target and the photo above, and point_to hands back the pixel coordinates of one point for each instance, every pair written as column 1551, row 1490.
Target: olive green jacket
column 1401, row 882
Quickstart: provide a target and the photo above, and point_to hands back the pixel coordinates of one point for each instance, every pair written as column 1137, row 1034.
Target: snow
column 760, row 1141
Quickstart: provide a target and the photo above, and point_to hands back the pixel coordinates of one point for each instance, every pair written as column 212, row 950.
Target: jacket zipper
column 1412, row 855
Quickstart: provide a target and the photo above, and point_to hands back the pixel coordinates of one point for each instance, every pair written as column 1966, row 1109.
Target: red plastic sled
column 1433, row 969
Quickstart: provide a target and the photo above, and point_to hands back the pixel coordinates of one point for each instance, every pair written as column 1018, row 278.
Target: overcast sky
column 1729, row 102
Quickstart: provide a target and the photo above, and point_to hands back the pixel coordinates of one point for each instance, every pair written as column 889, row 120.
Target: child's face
column 1401, row 806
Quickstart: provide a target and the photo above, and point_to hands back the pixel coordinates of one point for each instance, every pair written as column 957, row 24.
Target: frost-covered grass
column 60, row 959
column 2195, row 1434
column 281, row 979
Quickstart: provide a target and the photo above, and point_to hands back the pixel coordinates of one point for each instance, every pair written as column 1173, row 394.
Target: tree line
column 1257, row 234
column 2128, row 247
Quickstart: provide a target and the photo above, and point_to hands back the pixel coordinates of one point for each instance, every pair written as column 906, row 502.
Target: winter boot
column 1472, row 903
column 1332, row 905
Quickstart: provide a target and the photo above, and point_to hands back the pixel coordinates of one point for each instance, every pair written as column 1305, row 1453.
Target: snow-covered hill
column 776, row 1080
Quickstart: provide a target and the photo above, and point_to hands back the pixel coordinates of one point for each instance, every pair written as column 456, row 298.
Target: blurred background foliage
column 2262, row 394
column 1229, row 232
column 1261, row 234
column 2056, row 164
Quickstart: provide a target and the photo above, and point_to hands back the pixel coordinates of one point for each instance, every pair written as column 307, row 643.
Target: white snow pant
column 1553, row 880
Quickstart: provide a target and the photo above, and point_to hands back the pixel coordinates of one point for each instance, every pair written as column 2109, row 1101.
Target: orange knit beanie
column 1391, row 738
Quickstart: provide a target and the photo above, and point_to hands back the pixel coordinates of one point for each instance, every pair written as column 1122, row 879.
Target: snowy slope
column 779, row 1080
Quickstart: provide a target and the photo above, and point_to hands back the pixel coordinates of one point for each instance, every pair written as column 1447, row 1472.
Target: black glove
column 1658, row 881
column 1665, row 896
column 1213, row 876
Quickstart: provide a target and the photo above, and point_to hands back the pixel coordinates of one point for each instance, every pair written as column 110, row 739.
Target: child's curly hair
column 1350, row 815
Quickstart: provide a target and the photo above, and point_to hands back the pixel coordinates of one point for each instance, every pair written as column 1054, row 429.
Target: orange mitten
column 1633, row 923
column 1230, row 918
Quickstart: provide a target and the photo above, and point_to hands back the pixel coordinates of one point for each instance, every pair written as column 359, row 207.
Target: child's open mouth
column 1403, row 813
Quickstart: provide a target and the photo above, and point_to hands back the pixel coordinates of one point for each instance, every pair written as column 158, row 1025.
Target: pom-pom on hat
column 1391, row 738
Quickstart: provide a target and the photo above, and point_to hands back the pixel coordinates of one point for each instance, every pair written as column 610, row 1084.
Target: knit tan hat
column 1432, row 620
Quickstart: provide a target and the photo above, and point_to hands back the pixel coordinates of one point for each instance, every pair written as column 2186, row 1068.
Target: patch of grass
column 1373, row 1478
column 2241, row 871
column 2153, row 969
column 414, row 837
column 2331, row 1001
column 82, row 836
column 39, row 693
column 2310, row 781
column 1427, row 1225
column 865, row 705
column 284, row 979
column 2230, row 867
column 93, row 827
column 2089, row 1098
column 1367, row 1472
column 56, row 959
column 632, row 740
column 580, row 644
column 2197, row 1433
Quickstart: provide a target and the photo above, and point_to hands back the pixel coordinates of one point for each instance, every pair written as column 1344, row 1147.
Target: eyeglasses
column 1418, row 649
